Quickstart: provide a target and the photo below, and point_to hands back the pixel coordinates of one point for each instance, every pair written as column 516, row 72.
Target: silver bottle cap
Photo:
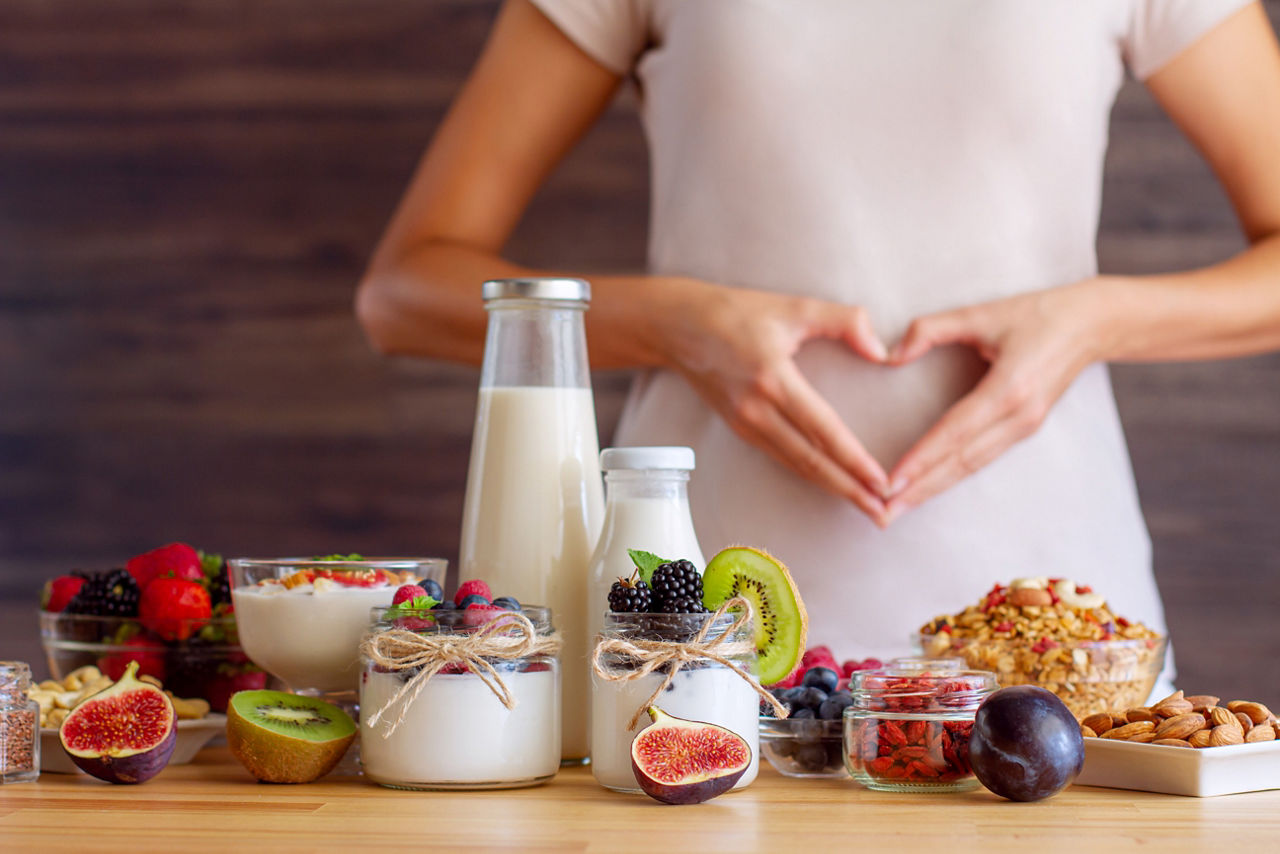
column 577, row 290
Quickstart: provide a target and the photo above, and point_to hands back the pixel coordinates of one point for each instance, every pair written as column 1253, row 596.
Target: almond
column 1181, row 726
column 1171, row 742
column 1029, row 597
column 1086, row 732
column 1142, row 738
column 1260, row 733
column 1175, row 697
column 1202, row 701
column 1128, row 731
column 1245, row 723
column 1221, row 736
column 1219, row 716
column 1141, row 713
column 1258, row 713
column 1099, row 723
column 1172, row 708
column 1200, row 739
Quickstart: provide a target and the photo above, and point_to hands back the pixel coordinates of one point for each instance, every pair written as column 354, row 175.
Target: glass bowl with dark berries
column 809, row 742
column 169, row 609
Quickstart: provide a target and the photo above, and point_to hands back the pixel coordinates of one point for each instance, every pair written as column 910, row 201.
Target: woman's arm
column 531, row 96
column 1224, row 92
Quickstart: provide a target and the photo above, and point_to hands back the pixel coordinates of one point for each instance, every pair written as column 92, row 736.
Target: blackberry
column 683, row 605
column 675, row 580
column 220, row 587
column 109, row 594
column 628, row 595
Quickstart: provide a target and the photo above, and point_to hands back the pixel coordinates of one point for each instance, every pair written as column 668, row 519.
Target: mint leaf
column 338, row 558
column 409, row 606
column 646, row 562
column 210, row 564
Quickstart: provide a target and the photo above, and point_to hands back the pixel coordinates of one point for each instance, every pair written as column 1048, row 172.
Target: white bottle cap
column 674, row 457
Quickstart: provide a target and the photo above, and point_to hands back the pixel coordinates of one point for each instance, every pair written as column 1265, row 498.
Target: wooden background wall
column 188, row 192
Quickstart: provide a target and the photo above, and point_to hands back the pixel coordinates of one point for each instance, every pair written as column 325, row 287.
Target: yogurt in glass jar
column 456, row 732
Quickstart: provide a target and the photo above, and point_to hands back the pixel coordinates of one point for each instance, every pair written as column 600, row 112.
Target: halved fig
column 687, row 762
column 122, row 734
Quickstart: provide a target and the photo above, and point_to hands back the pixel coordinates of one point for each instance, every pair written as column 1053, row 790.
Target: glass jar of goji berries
column 908, row 730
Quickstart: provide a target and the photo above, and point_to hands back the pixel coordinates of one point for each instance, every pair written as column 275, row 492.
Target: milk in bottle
column 534, row 501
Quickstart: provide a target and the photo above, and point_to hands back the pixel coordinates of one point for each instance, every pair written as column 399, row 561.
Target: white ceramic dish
column 192, row 735
column 1200, row 773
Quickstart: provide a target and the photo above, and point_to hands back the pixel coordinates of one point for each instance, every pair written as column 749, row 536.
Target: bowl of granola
column 1056, row 634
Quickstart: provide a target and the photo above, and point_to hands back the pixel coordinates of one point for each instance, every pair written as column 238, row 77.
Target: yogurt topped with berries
column 449, row 727
column 302, row 621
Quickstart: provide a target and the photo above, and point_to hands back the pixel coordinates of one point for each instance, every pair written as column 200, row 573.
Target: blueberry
column 433, row 589
column 446, row 605
column 811, row 757
column 507, row 602
column 473, row 599
column 821, row 677
column 811, row 698
column 833, row 708
column 801, row 714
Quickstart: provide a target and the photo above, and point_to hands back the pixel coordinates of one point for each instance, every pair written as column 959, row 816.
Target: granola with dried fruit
column 1057, row 634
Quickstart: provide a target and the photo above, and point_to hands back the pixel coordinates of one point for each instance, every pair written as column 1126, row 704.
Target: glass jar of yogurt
column 452, row 729
column 908, row 730
column 702, row 690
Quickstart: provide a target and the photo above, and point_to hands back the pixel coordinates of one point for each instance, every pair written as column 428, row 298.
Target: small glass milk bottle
column 647, row 508
column 19, row 725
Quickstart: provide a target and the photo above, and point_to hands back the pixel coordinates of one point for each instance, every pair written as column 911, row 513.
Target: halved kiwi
column 781, row 622
column 287, row 738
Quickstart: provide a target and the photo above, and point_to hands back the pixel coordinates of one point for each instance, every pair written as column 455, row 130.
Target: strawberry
column 219, row 689
column 148, row 654
column 353, row 578
column 174, row 608
column 59, row 592
column 407, row 593
column 176, row 560
column 473, row 587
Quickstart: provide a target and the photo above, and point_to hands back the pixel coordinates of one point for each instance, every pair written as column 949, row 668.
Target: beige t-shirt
column 909, row 156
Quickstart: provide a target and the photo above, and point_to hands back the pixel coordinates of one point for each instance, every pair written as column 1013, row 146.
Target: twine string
column 396, row 650
column 650, row 655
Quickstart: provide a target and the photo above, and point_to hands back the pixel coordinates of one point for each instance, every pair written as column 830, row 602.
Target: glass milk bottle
column 647, row 510
column 534, row 500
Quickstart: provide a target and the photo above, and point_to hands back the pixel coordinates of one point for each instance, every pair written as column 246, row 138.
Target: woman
column 832, row 175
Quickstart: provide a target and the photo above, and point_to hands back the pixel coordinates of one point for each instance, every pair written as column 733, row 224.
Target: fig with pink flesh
column 122, row 734
column 687, row 762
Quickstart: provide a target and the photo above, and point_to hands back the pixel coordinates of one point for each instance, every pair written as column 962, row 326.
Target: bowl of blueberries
column 809, row 742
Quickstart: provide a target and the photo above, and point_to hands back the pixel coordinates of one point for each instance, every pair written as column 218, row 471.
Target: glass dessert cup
column 301, row 619
column 453, row 731
column 804, row 747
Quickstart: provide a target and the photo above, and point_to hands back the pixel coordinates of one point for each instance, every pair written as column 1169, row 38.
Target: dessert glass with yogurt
column 703, row 690
column 456, row 733
column 301, row 620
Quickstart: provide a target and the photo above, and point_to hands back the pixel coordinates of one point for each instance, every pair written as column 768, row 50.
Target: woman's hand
column 1036, row 343
column 737, row 348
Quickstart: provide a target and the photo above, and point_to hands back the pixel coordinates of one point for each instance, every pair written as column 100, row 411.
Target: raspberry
column 475, row 587
column 407, row 593
column 479, row 615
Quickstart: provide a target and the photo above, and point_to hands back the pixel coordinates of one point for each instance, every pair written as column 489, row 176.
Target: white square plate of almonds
column 1184, row 746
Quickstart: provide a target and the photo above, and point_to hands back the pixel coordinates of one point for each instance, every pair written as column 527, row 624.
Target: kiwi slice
column 287, row 738
column 780, row 620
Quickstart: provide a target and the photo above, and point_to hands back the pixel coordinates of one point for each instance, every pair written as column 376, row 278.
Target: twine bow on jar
column 508, row 636
column 645, row 656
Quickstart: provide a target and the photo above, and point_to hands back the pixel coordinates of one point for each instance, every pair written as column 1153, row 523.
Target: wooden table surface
column 212, row 804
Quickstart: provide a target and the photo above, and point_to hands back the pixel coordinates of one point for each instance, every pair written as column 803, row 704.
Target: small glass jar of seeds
column 19, row 725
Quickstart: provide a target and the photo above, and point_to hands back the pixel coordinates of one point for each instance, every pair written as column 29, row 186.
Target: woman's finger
column 980, row 451
column 850, row 324
column 962, row 326
column 814, row 418
column 765, row 426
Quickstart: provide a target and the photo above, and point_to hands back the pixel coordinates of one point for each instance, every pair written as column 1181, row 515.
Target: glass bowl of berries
column 169, row 609
column 807, row 743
